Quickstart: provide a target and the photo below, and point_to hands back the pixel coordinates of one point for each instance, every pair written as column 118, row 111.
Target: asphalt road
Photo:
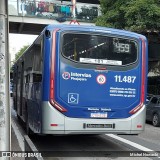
column 100, row 147
column 150, row 138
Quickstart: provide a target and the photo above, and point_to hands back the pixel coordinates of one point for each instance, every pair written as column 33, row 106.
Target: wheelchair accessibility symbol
column 73, row 98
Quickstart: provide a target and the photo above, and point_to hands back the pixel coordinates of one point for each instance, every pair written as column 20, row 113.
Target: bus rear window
column 98, row 49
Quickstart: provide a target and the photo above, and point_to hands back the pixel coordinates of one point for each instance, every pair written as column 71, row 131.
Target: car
column 149, row 96
column 153, row 110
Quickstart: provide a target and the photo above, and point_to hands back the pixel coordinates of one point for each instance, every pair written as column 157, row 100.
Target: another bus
column 82, row 80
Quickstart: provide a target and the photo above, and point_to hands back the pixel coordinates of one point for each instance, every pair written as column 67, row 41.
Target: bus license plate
column 99, row 125
column 99, row 115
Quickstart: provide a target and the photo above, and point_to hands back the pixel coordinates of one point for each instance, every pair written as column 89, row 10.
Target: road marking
column 18, row 135
column 133, row 144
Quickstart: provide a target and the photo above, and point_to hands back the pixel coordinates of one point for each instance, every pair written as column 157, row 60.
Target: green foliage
column 17, row 55
column 20, row 52
column 134, row 15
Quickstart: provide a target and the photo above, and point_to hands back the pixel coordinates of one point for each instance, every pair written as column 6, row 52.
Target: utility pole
column 74, row 19
column 5, row 131
column 74, row 9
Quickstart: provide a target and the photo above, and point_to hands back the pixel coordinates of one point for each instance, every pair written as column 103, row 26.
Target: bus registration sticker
column 99, row 115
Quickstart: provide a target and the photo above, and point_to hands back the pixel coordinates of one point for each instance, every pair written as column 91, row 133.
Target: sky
column 17, row 41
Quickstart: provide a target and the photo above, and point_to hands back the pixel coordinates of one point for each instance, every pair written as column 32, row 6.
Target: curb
column 31, row 149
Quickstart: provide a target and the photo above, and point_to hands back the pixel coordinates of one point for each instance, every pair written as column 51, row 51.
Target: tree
column 112, row 14
column 17, row 55
column 134, row 15
column 20, row 52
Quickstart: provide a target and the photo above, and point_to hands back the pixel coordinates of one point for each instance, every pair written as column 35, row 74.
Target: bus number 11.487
column 126, row 79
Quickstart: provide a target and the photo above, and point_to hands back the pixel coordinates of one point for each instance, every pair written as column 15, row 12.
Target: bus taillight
column 136, row 109
column 57, row 106
column 52, row 76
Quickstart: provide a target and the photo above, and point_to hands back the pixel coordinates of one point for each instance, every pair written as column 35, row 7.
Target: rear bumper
column 54, row 122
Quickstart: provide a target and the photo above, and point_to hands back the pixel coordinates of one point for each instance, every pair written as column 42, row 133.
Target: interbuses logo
column 66, row 75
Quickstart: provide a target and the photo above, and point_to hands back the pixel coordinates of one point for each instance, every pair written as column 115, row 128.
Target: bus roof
column 95, row 29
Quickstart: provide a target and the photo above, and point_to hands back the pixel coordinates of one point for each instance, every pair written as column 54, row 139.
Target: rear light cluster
column 53, row 125
column 52, row 76
column 139, row 126
column 57, row 106
column 137, row 108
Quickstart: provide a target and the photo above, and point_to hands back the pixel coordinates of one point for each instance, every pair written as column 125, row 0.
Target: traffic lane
column 150, row 138
column 81, row 143
column 80, row 147
column 151, row 133
column 76, row 146
column 76, row 142
column 69, row 142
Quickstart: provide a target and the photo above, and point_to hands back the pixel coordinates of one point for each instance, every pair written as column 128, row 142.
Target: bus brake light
column 136, row 109
column 52, row 76
column 57, row 106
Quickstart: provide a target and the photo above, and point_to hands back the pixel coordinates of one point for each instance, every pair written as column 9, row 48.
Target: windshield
column 98, row 49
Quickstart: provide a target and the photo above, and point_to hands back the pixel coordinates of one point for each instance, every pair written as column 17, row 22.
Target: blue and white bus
column 82, row 80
